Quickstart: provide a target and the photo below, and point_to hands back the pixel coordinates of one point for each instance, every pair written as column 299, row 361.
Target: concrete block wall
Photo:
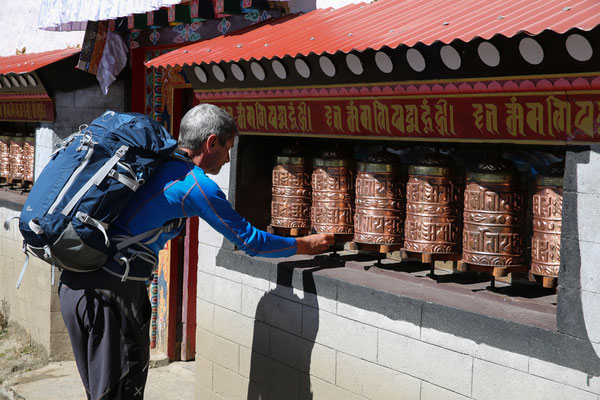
column 73, row 109
column 34, row 306
column 260, row 339
column 579, row 296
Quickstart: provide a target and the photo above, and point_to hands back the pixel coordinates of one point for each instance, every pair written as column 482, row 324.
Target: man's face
column 219, row 156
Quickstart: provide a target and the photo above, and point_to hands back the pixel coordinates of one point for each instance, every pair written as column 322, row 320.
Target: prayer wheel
column 15, row 156
column 28, row 158
column 547, row 223
column 434, row 200
column 291, row 190
column 333, row 180
column 493, row 216
column 4, row 158
column 379, row 215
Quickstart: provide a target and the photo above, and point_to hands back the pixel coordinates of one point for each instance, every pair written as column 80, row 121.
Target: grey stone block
column 275, row 376
column 575, row 155
column 570, row 223
column 588, row 179
column 479, row 328
column 291, row 349
column 393, row 306
column 588, row 212
column 570, row 263
column 237, row 261
column 304, row 275
column 566, row 351
column 495, row 382
column 569, row 313
column 281, row 313
column 64, row 99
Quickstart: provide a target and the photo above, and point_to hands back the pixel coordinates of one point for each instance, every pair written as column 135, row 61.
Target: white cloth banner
column 72, row 15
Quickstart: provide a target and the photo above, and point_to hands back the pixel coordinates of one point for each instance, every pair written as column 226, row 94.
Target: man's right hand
column 315, row 244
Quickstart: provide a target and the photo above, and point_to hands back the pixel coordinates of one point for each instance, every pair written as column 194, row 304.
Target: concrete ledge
column 12, row 199
column 503, row 320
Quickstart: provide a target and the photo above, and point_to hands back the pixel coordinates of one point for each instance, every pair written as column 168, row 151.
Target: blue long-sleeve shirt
column 180, row 190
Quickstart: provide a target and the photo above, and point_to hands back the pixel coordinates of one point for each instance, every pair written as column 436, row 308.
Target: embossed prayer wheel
column 4, row 158
column 333, row 180
column 15, row 156
column 493, row 216
column 379, row 215
column 291, row 190
column 28, row 158
column 434, row 201
column 547, row 223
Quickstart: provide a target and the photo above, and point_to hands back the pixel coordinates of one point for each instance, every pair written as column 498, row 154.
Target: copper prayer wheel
column 15, row 156
column 379, row 215
column 28, row 158
column 547, row 223
column 291, row 190
column 333, row 180
column 4, row 158
column 493, row 216
column 434, row 200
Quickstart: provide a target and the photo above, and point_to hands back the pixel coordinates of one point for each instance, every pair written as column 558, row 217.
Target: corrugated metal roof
column 388, row 23
column 30, row 62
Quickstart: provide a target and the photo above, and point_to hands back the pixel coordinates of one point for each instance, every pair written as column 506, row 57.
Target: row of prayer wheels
column 17, row 160
column 428, row 208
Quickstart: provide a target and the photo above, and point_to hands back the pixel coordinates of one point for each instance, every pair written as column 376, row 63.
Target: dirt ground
column 18, row 353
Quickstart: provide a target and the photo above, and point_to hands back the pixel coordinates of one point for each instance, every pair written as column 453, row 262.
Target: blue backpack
column 85, row 185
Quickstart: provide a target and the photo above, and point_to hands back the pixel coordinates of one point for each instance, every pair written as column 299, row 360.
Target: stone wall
column 302, row 328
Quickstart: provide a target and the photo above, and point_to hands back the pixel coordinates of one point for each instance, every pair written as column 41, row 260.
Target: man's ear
column 211, row 142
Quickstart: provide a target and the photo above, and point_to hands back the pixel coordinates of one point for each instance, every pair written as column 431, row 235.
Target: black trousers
column 108, row 322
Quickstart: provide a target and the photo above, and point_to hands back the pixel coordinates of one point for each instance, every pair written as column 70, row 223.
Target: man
column 107, row 312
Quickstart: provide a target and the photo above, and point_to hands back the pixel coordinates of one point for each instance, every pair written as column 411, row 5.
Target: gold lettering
column 250, row 117
column 398, row 117
column 304, row 118
column 559, row 116
column 514, row 117
column 426, row 117
column 488, row 114
column 28, row 114
column 382, row 117
column 282, row 122
column 352, row 119
column 292, row 116
column 535, row 117
column 365, row 117
column 333, row 117
column 412, row 119
column 584, row 119
column 261, row 116
column 272, row 117
column 444, row 120
column 241, row 116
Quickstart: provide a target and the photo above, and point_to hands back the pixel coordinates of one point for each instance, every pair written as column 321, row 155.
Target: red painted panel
column 24, row 109
column 414, row 114
column 190, row 275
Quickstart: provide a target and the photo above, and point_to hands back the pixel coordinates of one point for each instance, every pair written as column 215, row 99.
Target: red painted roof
column 388, row 23
column 30, row 62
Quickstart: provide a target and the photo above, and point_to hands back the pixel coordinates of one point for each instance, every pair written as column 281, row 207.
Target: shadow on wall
column 280, row 363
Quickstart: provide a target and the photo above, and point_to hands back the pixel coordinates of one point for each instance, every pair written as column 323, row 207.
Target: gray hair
column 202, row 121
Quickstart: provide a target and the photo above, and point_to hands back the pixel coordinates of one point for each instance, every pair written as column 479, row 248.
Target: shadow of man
column 280, row 364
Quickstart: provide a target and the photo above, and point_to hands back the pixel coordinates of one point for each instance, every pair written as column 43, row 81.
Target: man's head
column 207, row 133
